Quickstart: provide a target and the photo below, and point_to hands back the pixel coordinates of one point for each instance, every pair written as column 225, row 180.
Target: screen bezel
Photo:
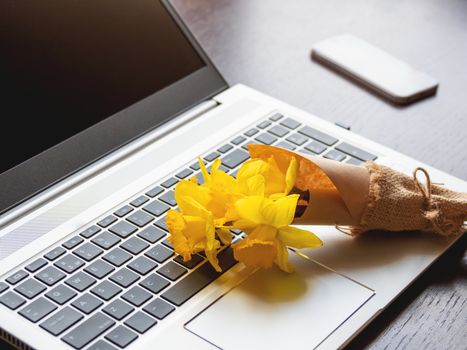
column 66, row 158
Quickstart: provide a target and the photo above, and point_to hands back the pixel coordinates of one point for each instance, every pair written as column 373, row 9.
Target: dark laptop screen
column 67, row 65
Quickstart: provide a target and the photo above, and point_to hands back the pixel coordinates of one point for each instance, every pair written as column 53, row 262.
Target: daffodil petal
column 255, row 253
column 204, row 171
column 249, row 208
column 298, row 238
column 224, row 235
column 291, row 175
column 282, row 259
column 281, row 212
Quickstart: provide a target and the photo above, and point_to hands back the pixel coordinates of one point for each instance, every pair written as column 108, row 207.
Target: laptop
column 106, row 106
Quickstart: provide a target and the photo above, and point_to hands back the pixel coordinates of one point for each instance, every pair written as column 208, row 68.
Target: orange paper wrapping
column 338, row 191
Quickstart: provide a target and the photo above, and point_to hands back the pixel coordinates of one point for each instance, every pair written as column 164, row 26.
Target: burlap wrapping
column 398, row 202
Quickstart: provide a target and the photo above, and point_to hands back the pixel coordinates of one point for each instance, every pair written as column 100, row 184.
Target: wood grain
column 266, row 44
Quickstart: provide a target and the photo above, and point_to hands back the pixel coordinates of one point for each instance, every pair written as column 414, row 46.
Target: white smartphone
column 374, row 68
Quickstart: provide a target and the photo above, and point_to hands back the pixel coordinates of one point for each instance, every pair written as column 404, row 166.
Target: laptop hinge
column 106, row 162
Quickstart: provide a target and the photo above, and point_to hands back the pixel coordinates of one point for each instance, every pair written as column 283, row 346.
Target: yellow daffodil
column 257, row 202
column 267, row 223
column 267, row 176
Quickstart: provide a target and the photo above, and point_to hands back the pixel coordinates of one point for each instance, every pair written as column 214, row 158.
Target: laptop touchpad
column 272, row 309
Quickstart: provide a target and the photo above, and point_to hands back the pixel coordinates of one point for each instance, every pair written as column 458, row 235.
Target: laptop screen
column 66, row 66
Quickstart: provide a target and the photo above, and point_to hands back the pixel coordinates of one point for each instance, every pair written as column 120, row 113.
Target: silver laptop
column 105, row 107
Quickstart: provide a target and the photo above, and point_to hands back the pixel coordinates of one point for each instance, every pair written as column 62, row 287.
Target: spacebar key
column 88, row 330
column 198, row 279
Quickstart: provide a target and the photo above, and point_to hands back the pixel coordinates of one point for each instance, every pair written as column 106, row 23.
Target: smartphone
column 375, row 69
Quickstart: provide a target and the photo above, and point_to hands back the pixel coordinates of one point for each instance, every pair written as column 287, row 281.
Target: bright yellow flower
column 267, row 177
column 267, row 223
column 257, row 202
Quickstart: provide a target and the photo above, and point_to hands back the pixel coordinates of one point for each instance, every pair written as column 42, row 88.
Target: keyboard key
column 275, row 117
column 30, row 288
column 80, row 281
column 87, row 303
column 88, row 330
column 61, row 294
column 121, row 336
column 50, row 275
column 69, row 263
column 154, row 283
column 162, row 224
column 235, row 158
column 169, row 198
column 99, row 269
column 167, row 243
column 142, row 265
column 36, row 265
column 195, row 166
column 184, row 173
column 108, row 220
column 169, row 182
column 251, row 132
column 227, row 147
column 140, row 322
column 137, row 296
column 61, row 320
column 106, row 290
column 140, row 218
column 318, row 135
column 297, row 139
column 123, row 229
column 354, row 161
column 211, row 156
column 193, row 262
column 355, row 152
column 151, row 234
column 101, row 345
column 124, row 277
column 267, row 139
column 156, row 208
column 37, row 310
column 118, row 309
column 335, row 155
column 55, row 253
column 134, row 245
column 238, row 140
column 12, row 300
column 159, row 308
column 172, row 271
column 290, row 123
column 264, row 124
column 198, row 279
column 139, row 201
column 89, row 232
column 106, row 240
column 72, row 242
column 17, row 277
column 117, row 257
column 123, row 211
column 88, row 251
column 159, row 253
column 3, row 287
column 278, row 131
column 315, row 147
column 155, row 191
column 286, row 145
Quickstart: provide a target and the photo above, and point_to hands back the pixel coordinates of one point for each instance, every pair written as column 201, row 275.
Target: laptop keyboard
column 118, row 278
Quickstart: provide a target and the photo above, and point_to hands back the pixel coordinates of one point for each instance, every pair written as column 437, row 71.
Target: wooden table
column 266, row 44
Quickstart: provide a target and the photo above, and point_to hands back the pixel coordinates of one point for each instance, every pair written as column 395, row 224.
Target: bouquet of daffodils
column 277, row 187
column 258, row 201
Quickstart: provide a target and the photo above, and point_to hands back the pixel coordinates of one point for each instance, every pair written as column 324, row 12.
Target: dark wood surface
column 266, row 44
